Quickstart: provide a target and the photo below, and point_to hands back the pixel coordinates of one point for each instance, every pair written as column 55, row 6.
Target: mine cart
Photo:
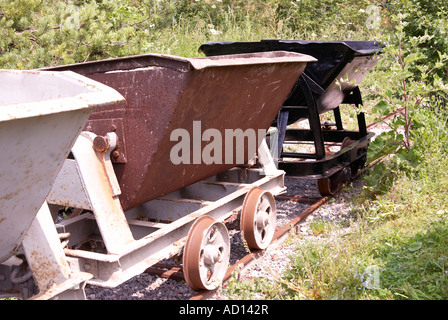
column 141, row 177
column 41, row 115
column 322, row 87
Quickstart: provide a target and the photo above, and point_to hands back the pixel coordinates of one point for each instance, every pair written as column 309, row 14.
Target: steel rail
column 174, row 272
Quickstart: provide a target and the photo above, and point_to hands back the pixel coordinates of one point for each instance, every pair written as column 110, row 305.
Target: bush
column 333, row 20
column 412, row 83
column 39, row 33
column 427, row 21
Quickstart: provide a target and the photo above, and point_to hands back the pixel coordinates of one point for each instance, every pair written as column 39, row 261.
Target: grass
column 393, row 247
column 401, row 255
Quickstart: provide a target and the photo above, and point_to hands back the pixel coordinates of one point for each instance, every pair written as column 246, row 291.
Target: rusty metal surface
column 206, row 254
column 164, row 93
column 340, row 66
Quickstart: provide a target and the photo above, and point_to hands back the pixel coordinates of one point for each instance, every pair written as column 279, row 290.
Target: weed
column 319, row 227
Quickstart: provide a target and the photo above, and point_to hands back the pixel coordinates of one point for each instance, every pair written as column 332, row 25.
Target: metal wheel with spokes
column 206, row 254
column 258, row 218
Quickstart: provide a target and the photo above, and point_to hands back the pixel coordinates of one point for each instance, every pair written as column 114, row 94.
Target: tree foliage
column 37, row 33
column 415, row 73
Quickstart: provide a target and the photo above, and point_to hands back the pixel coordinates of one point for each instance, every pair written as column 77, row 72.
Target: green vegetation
column 393, row 247
column 395, row 244
column 38, row 33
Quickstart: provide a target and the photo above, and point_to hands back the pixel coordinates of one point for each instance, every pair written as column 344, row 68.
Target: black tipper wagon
column 322, row 87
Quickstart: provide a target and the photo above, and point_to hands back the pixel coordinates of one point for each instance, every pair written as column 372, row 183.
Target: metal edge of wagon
column 324, row 85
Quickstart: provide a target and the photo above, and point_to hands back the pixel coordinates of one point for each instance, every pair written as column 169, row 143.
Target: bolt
column 100, row 144
column 115, row 154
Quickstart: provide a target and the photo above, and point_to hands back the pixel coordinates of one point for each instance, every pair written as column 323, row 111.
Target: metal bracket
column 105, row 145
column 45, row 256
column 91, row 172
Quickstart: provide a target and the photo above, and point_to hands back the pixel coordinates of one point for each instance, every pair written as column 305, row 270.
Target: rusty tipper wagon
column 322, row 87
column 138, row 206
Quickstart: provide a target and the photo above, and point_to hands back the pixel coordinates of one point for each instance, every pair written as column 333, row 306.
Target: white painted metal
column 132, row 240
column 100, row 194
column 41, row 114
column 45, row 256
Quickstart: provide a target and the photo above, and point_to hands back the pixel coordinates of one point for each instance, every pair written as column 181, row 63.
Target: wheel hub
column 206, row 254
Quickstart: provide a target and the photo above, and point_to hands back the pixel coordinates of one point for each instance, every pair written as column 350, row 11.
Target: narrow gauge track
column 175, row 272
column 302, row 199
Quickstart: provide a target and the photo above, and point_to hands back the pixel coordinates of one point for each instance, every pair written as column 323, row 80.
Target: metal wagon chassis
column 333, row 169
column 197, row 231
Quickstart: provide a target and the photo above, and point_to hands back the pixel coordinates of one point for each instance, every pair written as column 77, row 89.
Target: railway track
column 312, row 203
column 174, row 272
column 302, row 200
column 279, row 236
column 167, row 279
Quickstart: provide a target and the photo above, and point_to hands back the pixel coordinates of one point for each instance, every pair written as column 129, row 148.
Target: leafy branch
column 411, row 84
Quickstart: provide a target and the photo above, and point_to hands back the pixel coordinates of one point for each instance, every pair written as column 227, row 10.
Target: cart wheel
column 258, row 218
column 329, row 186
column 346, row 142
column 326, row 187
column 355, row 169
column 357, row 166
column 206, row 254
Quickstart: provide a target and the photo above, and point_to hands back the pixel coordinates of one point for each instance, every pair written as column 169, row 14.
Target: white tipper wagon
column 41, row 115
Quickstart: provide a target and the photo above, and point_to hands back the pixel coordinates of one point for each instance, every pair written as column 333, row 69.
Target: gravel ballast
column 274, row 261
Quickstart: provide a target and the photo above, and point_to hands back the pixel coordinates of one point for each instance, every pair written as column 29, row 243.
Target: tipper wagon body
column 41, row 115
column 165, row 93
column 325, row 84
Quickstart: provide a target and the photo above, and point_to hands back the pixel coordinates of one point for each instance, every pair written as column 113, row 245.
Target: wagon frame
column 220, row 197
